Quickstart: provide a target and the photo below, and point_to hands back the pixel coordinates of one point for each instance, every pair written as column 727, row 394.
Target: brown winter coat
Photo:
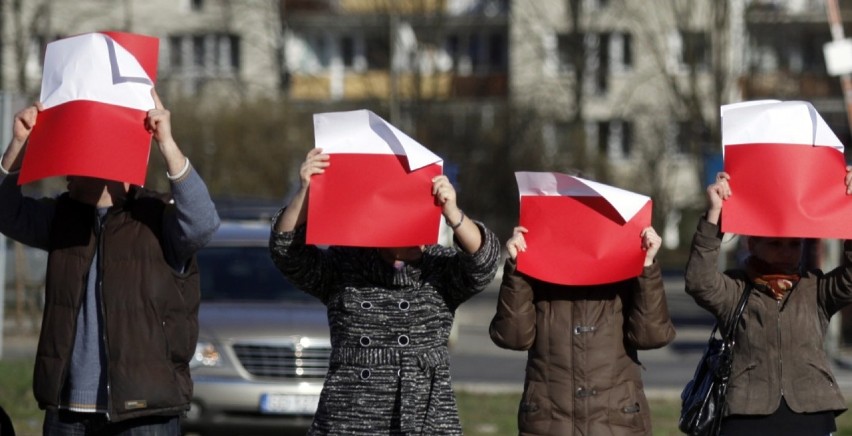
column 779, row 344
column 583, row 373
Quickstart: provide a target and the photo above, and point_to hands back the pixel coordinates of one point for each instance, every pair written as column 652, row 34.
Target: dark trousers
column 67, row 423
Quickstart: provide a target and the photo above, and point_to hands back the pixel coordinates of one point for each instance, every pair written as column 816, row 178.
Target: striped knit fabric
column 389, row 372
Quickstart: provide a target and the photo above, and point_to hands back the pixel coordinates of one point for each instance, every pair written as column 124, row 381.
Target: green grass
column 481, row 414
column 16, row 396
column 495, row 415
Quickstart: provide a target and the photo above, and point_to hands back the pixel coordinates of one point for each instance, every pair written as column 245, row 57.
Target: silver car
column 263, row 346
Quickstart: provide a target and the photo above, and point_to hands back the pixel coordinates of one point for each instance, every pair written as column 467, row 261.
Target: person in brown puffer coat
column 583, row 372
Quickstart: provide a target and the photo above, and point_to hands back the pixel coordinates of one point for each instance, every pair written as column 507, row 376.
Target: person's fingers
column 158, row 104
column 848, row 180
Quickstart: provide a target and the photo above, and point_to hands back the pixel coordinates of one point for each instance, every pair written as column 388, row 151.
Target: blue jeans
column 67, row 423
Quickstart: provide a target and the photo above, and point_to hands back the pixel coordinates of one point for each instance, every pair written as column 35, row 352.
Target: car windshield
column 243, row 274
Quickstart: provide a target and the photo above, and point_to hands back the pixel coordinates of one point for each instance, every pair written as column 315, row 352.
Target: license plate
column 288, row 404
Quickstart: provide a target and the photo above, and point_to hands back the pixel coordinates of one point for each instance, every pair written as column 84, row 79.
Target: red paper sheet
column 89, row 137
column 371, row 200
column 785, row 190
column 86, row 138
column 580, row 240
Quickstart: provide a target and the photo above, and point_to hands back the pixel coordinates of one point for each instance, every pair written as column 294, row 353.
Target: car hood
column 234, row 321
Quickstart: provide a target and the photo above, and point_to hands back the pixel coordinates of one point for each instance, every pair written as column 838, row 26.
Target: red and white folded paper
column 377, row 190
column 787, row 172
column 580, row 232
column 96, row 92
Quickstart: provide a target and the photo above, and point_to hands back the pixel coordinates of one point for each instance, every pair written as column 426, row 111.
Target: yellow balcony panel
column 306, row 87
column 395, row 6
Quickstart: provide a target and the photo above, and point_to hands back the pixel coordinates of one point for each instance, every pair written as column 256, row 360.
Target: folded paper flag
column 96, row 92
column 787, row 172
column 377, row 190
column 580, row 232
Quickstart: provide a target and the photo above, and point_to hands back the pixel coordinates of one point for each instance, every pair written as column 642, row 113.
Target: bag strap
column 738, row 314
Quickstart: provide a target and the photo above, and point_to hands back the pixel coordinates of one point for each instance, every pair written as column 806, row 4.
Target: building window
column 567, row 48
column 347, row 51
column 378, row 53
column 477, row 52
column 688, row 137
column 595, row 5
column 205, row 56
column 310, row 54
column 695, row 50
column 596, row 47
column 497, row 52
column 604, row 53
column 615, row 139
column 35, row 57
column 812, row 57
column 621, row 52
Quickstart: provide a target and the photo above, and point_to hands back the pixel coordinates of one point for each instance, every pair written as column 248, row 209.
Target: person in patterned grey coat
column 390, row 312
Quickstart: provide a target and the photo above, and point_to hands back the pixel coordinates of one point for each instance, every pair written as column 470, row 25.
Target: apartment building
column 438, row 69
column 219, row 49
column 312, row 49
column 785, row 57
column 627, row 92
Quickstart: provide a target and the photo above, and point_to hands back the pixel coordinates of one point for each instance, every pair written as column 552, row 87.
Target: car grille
column 283, row 361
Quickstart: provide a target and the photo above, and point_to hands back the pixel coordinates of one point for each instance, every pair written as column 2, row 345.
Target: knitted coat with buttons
column 389, row 370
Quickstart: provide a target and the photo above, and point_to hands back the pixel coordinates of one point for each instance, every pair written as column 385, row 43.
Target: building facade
column 785, row 57
column 626, row 92
column 208, row 48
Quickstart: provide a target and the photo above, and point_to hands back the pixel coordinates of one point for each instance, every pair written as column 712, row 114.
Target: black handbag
column 703, row 398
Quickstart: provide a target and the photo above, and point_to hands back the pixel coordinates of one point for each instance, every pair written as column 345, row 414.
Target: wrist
column 713, row 216
column 167, row 145
column 4, row 171
column 455, row 222
column 180, row 174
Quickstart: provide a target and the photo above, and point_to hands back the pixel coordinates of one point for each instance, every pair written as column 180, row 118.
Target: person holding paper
column 583, row 372
column 781, row 382
column 122, row 292
column 390, row 313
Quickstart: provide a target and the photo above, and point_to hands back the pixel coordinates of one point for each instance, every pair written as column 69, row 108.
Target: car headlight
column 206, row 355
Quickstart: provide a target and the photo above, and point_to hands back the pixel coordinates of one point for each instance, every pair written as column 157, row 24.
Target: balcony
column 791, row 12
column 377, row 85
column 788, row 86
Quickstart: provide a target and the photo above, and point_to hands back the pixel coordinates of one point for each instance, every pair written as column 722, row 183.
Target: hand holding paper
column 517, row 244
column 717, row 193
column 651, row 243
column 22, row 126
column 848, row 180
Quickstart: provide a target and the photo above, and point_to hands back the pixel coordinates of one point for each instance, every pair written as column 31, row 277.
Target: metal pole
column 5, row 136
column 834, row 336
column 835, row 24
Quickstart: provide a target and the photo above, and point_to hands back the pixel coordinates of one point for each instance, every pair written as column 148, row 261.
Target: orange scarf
column 777, row 285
